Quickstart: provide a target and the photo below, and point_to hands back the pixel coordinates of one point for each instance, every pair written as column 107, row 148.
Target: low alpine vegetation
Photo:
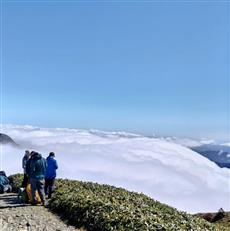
column 16, row 181
column 107, row 208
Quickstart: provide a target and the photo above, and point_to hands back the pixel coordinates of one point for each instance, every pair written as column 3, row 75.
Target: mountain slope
column 5, row 139
column 107, row 208
column 220, row 154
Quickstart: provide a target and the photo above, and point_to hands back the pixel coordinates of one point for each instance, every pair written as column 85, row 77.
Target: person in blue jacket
column 50, row 176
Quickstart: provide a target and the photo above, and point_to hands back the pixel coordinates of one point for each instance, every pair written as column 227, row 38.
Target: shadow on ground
column 10, row 200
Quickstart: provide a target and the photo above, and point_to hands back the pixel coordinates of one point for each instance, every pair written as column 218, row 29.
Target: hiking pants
column 37, row 185
column 49, row 186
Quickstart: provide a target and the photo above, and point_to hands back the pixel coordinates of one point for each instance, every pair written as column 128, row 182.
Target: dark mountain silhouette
column 220, row 154
column 5, row 139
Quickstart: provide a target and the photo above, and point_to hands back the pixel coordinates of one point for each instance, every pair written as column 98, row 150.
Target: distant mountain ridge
column 5, row 139
column 220, row 154
column 216, row 151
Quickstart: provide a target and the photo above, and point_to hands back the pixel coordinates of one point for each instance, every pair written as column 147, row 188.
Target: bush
column 107, row 208
column 16, row 181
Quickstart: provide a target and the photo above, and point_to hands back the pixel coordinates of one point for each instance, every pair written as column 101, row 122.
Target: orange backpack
column 29, row 194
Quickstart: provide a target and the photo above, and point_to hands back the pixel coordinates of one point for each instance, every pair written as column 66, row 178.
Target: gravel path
column 20, row 217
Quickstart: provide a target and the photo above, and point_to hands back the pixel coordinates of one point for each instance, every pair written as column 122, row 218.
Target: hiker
column 50, row 176
column 27, row 170
column 4, row 183
column 25, row 159
column 37, row 168
column 25, row 193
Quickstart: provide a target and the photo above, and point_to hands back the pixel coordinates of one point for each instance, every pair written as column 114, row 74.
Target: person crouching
column 4, row 183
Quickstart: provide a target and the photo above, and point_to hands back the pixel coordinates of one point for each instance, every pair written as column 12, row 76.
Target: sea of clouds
column 160, row 168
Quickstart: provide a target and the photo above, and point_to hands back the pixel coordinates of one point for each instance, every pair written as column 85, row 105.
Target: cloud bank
column 164, row 170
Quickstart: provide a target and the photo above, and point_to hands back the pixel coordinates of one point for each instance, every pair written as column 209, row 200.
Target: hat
column 52, row 154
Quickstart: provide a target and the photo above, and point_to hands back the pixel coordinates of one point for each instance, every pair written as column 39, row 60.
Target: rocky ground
column 21, row 217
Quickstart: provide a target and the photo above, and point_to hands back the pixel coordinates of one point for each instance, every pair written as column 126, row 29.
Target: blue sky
column 140, row 67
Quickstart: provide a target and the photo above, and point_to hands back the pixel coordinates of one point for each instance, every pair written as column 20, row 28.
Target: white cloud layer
column 162, row 169
column 188, row 142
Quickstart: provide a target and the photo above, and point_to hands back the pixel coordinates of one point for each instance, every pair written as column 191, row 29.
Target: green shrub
column 16, row 181
column 107, row 208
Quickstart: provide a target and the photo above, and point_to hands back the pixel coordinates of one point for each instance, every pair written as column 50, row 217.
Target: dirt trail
column 22, row 217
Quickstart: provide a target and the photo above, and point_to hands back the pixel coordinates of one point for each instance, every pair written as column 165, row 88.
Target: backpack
column 29, row 194
column 22, row 196
column 25, row 195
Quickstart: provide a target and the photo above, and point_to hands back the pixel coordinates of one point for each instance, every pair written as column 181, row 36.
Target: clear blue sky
column 139, row 67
